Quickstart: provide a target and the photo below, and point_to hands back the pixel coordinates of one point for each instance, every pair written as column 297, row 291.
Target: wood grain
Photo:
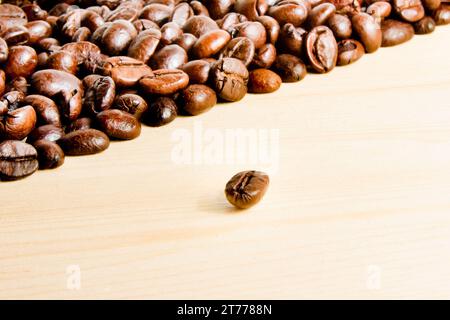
column 358, row 205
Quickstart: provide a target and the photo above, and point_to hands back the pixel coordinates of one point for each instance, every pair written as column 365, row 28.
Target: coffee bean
column 341, row 26
column 64, row 61
column 379, row 10
column 291, row 39
column 79, row 124
column 229, row 78
column 431, row 5
column 84, row 142
column 17, row 160
column 294, row 12
column 252, row 30
column 246, row 188
column 186, row 41
column 290, row 68
column 197, row 70
column 251, row 8
column 425, row 25
column 164, row 82
column 16, row 124
column 22, row 60
column 239, row 48
column 320, row 14
column 118, row 124
column 210, row 43
column 263, row 81
column 47, row 132
column 349, row 51
column 368, row 31
column 197, row 98
column 2, row 82
column 125, row 71
column 144, row 45
column 442, row 15
column 321, row 49
column 18, row 84
column 169, row 57
column 38, row 30
column 265, row 56
column 100, row 96
column 170, row 32
column 131, row 103
column 161, row 111
column 272, row 28
column 50, row 155
column 396, row 32
column 409, row 10
column 199, row 25
column 46, row 110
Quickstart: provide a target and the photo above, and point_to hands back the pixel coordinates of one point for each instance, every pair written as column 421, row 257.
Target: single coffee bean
column 117, row 37
column 38, row 30
column 161, row 111
column 132, row 103
column 13, row 99
column 64, row 61
column 442, row 15
column 396, row 32
column 252, row 30
column 18, row 84
column 144, row 45
column 349, row 51
column 181, row 13
column 431, row 5
column 320, row 14
column 210, row 43
column 263, row 81
column 50, row 155
column 170, row 32
column 12, row 15
column 239, row 48
column 291, row 39
column 197, row 70
column 47, row 132
column 46, row 110
column 251, row 8
column 17, row 123
column 17, row 160
column 22, row 60
column 246, row 188
column 197, row 98
column 265, row 56
column 118, row 124
column 379, row 10
column 294, row 12
column 164, row 82
column 290, row 68
column 425, row 25
column 199, row 25
column 34, row 12
column 229, row 78
column 156, row 12
column 186, row 41
column 79, row 124
column 368, row 31
column 16, row 35
column 272, row 28
column 231, row 19
column 82, row 34
column 341, row 26
column 218, row 8
column 321, row 49
column 84, row 142
column 100, row 95
column 409, row 10
column 169, row 57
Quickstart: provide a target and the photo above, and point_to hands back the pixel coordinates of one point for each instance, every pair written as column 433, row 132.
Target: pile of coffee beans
column 76, row 73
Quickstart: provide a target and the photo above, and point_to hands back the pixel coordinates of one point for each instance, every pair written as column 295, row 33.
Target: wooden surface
column 358, row 206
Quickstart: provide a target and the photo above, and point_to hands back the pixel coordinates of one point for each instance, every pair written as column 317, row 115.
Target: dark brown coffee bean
column 118, row 36
column 82, row 34
column 229, row 78
column 396, row 32
column 17, row 123
column 144, row 45
column 181, row 13
column 265, row 56
column 131, row 103
column 379, row 10
column 170, row 32
column 218, row 8
column 272, row 28
column 320, row 14
column 290, row 68
column 239, row 48
column 125, row 71
column 13, row 99
column 79, row 124
column 38, row 30
column 119, row 124
column 431, row 5
column 291, row 39
column 409, row 10
column 46, row 110
column 349, row 51
column 199, row 8
column 48, row 132
column 425, row 25
column 197, row 70
column 17, row 160
column 186, row 41
column 18, row 84
column 210, row 43
column 197, row 98
column 48, row 44
column 294, row 12
column 252, row 9
column 84, row 142
column 100, row 95
column 16, row 35
column 164, row 82
column 12, row 15
column 156, row 12
column 64, row 61
column 199, row 25
column 368, row 31
column 340, row 25
column 253, row 30
column 50, row 155
column 348, row 7
column 442, row 15
column 144, row 24
column 22, row 61
column 161, row 111
column 34, row 12
column 169, row 57
column 230, row 20
column 246, row 188
column 64, row 88
column 263, row 81
column 321, row 49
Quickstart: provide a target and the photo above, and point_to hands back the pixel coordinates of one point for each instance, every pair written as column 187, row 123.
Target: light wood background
column 358, row 208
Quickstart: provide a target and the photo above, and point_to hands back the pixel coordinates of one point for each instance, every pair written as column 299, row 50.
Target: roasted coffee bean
column 239, row 48
column 34, row 12
column 169, row 57
column 263, row 81
column 181, row 13
column 50, row 155
column 218, row 8
column 83, row 51
column 119, row 124
column 253, row 30
column 12, row 15
column 197, row 70
column 291, row 39
column 320, row 14
column 82, row 34
column 368, row 31
column 409, row 10
column 246, row 188
column 18, row 84
column 118, row 36
column 46, row 110
column 442, row 15
column 84, row 142
column 199, row 8
column 125, row 71
column 3, row 50
column 17, row 160
column 100, row 95
column 431, row 4
column 79, row 124
column 379, row 10
column 48, row 132
column 321, row 49
column 341, row 26
column 144, row 45
column 64, row 88
column 265, row 56
column 22, row 61
column 17, row 123
column 164, row 82
column 231, row 19
column 16, row 35
column 425, row 25
column 251, row 8
column 348, row 7
column 161, row 111
column 199, row 25
column 64, row 61
column 272, row 28
column 396, row 32
column 48, row 44
column 156, row 12
column 131, row 103
column 290, row 68
column 210, row 43
column 229, row 78
column 13, row 99
column 294, row 12
column 38, row 30
column 197, row 98
column 349, row 51
column 170, row 32
column 186, row 41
